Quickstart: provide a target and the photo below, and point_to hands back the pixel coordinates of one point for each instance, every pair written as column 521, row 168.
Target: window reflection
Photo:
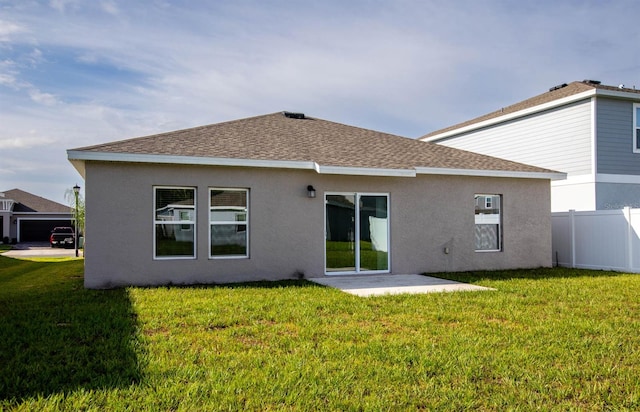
column 488, row 221
column 228, row 219
column 357, row 233
column 174, row 222
column 341, row 230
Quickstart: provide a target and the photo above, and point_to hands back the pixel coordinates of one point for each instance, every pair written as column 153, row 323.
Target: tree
column 70, row 197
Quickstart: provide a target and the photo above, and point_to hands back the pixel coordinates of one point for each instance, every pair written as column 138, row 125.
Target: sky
column 75, row 73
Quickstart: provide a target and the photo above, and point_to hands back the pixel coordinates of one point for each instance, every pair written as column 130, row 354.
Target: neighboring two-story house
column 588, row 130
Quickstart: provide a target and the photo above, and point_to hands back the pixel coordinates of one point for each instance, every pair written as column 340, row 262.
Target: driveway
column 371, row 285
column 39, row 249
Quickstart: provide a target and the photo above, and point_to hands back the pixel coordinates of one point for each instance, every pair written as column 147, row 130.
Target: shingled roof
column 560, row 93
column 27, row 202
column 291, row 140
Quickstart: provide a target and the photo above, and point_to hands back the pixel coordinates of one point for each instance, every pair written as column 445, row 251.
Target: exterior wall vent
column 292, row 115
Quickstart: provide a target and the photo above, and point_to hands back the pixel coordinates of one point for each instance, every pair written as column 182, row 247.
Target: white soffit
column 78, row 157
column 491, row 173
column 364, row 171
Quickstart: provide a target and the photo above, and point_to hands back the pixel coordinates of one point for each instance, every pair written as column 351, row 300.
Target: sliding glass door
column 356, row 233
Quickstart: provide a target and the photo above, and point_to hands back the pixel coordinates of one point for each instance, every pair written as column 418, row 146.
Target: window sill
column 226, row 257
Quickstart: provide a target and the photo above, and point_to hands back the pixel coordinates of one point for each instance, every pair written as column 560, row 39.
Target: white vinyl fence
column 602, row 239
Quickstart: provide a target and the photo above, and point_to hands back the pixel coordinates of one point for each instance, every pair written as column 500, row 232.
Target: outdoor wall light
column 311, row 192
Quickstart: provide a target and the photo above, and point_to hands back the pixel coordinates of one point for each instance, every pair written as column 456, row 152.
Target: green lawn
column 550, row 339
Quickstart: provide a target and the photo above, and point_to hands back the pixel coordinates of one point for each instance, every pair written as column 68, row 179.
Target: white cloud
column 24, row 142
column 42, row 98
column 61, row 5
column 404, row 67
column 8, row 29
column 34, row 58
column 110, row 7
column 7, row 79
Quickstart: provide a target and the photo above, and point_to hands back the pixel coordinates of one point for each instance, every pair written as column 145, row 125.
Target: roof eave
column 510, row 116
column 78, row 165
column 619, row 94
column 79, row 157
column 491, row 173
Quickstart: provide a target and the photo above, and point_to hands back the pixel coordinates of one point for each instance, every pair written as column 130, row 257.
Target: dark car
column 62, row 237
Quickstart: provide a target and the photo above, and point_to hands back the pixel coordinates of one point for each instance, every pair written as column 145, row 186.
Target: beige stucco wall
column 427, row 214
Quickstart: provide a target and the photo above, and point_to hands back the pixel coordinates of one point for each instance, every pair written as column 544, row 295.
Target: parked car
column 62, row 237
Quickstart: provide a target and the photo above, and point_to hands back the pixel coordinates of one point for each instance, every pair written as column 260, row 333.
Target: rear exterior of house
column 154, row 219
column 587, row 130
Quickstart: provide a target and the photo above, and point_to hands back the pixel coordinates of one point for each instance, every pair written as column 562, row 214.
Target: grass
column 551, row 339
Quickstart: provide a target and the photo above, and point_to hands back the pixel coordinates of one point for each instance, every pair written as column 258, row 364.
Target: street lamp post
column 76, row 190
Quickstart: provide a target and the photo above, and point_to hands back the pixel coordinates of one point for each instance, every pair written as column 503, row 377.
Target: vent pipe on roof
column 292, row 115
column 560, row 86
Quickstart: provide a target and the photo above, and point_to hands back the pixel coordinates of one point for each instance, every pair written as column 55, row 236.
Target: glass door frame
column 358, row 270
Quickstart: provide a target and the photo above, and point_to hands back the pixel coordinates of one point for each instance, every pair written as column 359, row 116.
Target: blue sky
column 80, row 72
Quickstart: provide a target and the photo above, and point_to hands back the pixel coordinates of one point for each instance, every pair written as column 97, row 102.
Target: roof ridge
column 28, row 197
column 561, row 91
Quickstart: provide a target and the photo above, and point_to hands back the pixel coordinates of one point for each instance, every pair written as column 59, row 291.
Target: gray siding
column 611, row 196
column 615, row 138
column 557, row 139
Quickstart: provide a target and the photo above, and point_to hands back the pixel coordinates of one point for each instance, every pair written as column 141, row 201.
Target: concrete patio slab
column 371, row 285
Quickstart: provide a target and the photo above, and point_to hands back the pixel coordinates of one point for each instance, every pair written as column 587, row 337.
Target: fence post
column 572, row 225
column 627, row 215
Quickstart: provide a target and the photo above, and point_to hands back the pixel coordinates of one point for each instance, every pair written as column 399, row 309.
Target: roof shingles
column 27, row 202
column 554, row 94
column 276, row 137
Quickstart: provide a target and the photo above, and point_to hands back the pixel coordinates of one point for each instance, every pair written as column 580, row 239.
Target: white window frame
column 234, row 222
column 358, row 270
column 636, row 128
column 500, row 220
column 179, row 223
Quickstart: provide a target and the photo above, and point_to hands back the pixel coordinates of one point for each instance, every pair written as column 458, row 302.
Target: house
column 285, row 195
column 586, row 129
column 25, row 217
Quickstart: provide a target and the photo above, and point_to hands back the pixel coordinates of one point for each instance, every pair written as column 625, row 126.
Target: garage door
column 39, row 230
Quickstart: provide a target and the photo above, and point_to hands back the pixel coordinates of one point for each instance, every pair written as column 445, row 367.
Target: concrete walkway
column 39, row 249
column 371, row 285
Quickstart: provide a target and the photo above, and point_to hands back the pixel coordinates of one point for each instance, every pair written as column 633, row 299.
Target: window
column 488, row 223
column 228, row 223
column 174, row 222
column 636, row 127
